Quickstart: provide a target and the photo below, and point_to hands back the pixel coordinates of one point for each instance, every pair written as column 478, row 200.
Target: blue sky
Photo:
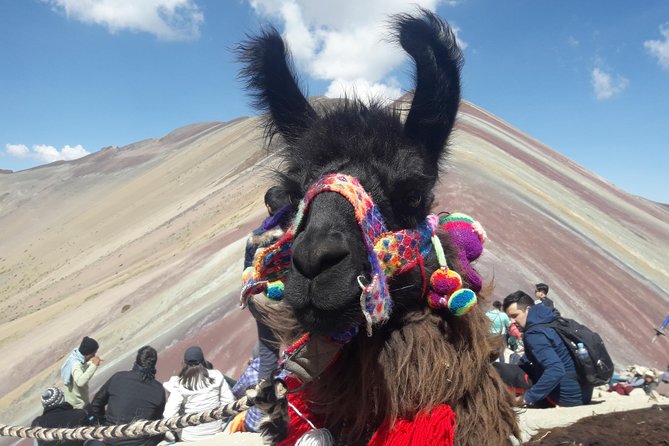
column 589, row 79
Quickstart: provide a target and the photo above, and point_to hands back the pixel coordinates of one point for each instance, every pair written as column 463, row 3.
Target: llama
column 398, row 352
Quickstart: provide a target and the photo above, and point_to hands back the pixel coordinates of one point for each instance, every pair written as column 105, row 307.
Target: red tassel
column 298, row 426
column 434, row 428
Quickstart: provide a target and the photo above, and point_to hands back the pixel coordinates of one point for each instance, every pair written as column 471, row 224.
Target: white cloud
column 607, row 85
column 660, row 48
column 72, row 153
column 344, row 42
column 18, row 150
column 572, row 41
column 166, row 19
column 461, row 43
column 365, row 90
column 45, row 153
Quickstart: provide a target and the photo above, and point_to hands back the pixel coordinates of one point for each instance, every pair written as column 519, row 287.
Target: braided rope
column 136, row 429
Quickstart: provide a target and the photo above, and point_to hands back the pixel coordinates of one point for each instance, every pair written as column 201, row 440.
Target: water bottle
column 581, row 351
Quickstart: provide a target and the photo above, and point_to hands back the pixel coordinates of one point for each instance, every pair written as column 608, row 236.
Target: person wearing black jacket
column 58, row 413
column 541, row 294
column 130, row 396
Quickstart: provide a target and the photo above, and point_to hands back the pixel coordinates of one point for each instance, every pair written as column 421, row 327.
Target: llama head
column 397, row 163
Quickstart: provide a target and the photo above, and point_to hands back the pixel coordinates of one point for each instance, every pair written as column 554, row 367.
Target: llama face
column 329, row 256
column 396, row 163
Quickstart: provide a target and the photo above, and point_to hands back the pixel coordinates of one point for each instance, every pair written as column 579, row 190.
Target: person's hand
column 96, row 360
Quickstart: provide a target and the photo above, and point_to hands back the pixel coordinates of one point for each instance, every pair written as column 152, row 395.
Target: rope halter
column 390, row 253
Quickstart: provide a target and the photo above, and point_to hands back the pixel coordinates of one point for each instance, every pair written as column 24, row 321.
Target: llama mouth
column 327, row 316
column 325, row 322
column 326, row 304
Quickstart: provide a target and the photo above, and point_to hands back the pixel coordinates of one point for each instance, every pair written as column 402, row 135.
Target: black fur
column 396, row 162
column 270, row 78
column 420, row 358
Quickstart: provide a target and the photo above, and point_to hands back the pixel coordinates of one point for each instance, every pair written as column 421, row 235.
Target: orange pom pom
column 445, row 281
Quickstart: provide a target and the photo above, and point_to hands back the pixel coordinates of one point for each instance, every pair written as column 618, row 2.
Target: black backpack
column 597, row 368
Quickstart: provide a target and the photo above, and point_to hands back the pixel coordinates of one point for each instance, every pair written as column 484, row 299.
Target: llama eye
column 413, row 199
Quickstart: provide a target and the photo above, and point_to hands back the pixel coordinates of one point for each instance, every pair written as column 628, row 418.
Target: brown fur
column 417, row 361
column 420, row 358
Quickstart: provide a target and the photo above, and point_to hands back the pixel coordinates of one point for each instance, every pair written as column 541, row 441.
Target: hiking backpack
column 596, row 368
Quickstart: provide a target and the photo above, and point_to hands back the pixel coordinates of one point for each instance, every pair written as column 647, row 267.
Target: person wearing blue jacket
column 548, row 361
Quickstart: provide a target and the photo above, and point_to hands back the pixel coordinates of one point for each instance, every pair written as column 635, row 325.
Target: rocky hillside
column 143, row 245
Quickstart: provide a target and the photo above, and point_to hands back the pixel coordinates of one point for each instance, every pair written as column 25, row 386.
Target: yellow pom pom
column 461, row 302
column 247, row 274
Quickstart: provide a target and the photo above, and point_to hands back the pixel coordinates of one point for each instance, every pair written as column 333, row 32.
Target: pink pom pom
column 445, row 281
column 437, row 301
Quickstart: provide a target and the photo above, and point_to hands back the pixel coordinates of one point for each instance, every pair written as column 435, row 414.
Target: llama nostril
column 313, row 258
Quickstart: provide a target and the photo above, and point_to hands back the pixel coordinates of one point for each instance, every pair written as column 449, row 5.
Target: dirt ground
column 640, row 427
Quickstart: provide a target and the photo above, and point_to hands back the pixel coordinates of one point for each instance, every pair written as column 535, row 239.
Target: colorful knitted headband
column 389, row 254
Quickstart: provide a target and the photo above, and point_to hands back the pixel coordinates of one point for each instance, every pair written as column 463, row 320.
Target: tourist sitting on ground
column 499, row 325
column 130, row 396
column 59, row 413
column 650, row 384
column 547, row 361
column 197, row 389
column 77, row 371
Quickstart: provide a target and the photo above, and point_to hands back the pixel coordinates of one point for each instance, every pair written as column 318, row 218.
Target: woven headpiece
column 389, row 254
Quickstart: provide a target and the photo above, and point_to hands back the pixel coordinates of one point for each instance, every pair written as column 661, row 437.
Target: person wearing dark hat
column 196, row 389
column 131, row 395
column 58, row 413
column 77, row 371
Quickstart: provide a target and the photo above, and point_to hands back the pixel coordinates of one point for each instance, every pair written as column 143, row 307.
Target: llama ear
column 431, row 43
column 268, row 75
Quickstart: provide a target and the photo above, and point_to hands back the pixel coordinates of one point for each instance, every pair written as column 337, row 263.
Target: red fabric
column 427, row 428
column 298, row 426
column 620, row 388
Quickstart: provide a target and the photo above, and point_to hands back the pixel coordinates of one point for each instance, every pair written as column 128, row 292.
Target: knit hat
column 52, row 396
column 194, row 355
column 88, row 346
